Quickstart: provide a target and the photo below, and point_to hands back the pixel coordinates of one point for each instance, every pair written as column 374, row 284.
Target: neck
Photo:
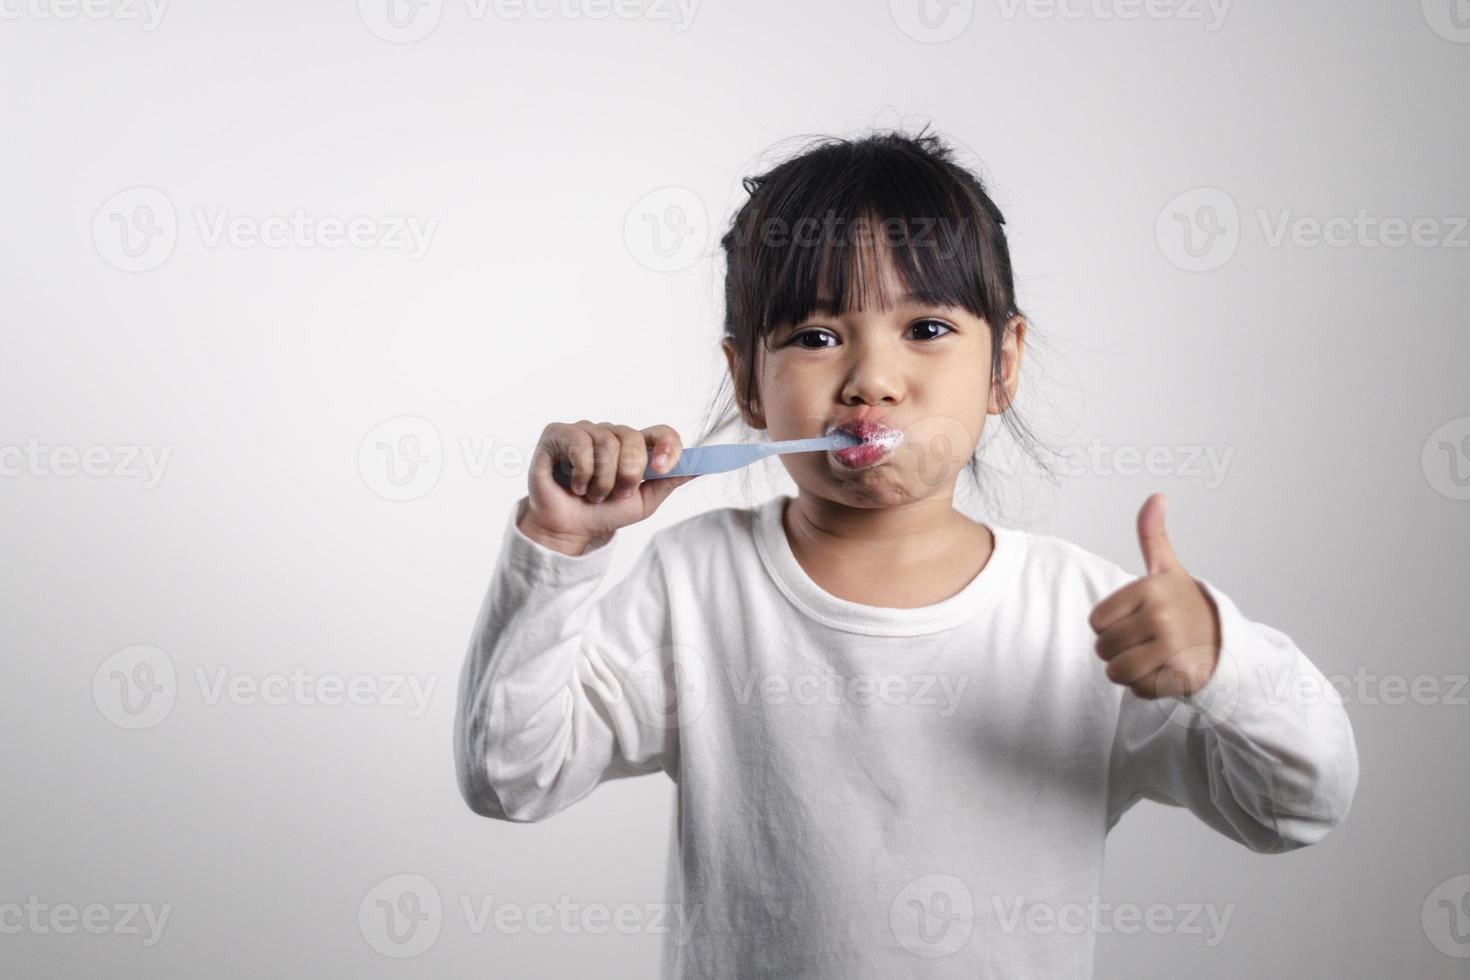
column 912, row 531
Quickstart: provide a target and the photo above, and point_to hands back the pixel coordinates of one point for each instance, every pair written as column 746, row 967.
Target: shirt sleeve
column 1263, row 753
column 560, row 691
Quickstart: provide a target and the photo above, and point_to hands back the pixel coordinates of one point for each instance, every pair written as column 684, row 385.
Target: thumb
column 1153, row 540
column 654, row 492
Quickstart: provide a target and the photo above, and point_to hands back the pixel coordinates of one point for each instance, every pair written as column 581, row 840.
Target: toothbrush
column 703, row 460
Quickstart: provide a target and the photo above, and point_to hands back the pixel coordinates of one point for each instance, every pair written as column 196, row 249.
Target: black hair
column 886, row 190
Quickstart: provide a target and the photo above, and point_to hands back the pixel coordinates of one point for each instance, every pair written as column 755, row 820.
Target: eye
column 923, row 324
column 797, row 338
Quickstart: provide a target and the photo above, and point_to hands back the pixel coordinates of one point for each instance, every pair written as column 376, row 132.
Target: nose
column 873, row 376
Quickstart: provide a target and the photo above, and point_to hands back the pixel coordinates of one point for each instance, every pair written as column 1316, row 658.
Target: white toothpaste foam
column 888, row 439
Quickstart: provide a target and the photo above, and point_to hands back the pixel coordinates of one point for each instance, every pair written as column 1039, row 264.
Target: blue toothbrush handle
column 700, row 460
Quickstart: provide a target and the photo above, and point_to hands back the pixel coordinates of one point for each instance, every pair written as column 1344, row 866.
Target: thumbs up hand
column 1160, row 635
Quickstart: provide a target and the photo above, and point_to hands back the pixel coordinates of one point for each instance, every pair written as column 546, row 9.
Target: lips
column 868, row 430
column 878, row 441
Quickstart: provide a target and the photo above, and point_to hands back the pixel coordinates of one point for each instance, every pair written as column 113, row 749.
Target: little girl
column 900, row 737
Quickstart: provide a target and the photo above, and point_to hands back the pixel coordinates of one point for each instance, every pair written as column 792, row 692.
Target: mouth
column 879, row 440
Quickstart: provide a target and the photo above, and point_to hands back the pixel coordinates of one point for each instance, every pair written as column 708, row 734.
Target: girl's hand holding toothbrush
column 1160, row 635
column 607, row 488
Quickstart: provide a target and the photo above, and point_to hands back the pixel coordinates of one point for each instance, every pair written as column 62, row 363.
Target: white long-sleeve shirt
column 867, row 791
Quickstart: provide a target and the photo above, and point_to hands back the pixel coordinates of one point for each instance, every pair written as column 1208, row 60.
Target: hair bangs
column 821, row 246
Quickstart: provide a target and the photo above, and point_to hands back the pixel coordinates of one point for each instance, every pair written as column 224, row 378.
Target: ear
column 754, row 417
column 1012, row 344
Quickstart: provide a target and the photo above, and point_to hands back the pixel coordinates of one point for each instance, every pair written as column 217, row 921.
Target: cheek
column 795, row 399
column 786, row 383
column 951, row 409
column 960, row 381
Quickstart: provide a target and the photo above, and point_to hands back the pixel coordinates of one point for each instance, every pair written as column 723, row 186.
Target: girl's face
column 921, row 370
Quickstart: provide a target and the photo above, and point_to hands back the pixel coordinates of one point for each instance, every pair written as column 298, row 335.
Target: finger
column 632, row 460
column 1126, row 633
column 1158, row 553
column 544, row 457
column 605, row 450
column 1123, row 602
column 1133, row 665
column 664, row 446
column 655, row 492
column 1146, row 687
column 1166, row 682
column 572, row 443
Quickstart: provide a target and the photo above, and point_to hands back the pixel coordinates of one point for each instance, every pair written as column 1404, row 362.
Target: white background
column 269, row 542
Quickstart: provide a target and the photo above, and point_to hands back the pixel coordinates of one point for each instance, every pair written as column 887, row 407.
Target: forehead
column 878, row 284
